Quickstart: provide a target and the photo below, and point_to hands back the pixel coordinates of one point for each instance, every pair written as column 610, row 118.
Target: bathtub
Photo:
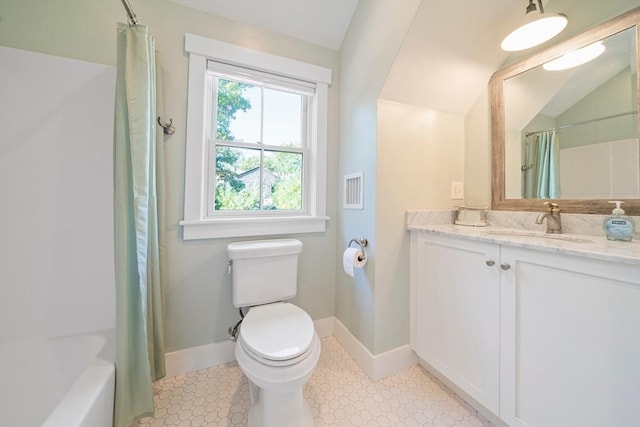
column 62, row 382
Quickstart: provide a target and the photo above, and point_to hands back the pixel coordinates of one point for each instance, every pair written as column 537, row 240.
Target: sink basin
column 538, row 235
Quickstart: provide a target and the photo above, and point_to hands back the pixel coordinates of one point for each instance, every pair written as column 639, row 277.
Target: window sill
column 242, row 227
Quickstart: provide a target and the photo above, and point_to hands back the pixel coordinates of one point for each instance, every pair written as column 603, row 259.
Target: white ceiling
column 450, row 53
column 450, row 50
column 321, row 22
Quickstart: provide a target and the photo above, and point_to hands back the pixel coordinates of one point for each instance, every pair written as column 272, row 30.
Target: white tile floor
column 339, row 393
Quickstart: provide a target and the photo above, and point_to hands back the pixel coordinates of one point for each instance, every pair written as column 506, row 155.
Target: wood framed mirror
column 587, row 116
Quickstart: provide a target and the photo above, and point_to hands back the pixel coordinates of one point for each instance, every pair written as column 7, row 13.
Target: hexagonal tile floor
column 339, row 394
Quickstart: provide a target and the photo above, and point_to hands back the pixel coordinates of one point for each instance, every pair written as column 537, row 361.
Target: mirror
column 570, row 136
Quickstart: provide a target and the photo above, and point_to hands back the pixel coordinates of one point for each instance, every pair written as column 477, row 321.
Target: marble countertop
column 583, row 245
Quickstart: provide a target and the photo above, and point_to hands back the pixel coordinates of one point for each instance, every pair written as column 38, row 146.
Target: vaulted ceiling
column 450, row 50
column 321, row 22
column 450, row 53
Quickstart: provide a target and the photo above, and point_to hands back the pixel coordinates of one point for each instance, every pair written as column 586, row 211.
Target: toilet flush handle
column 229, row 264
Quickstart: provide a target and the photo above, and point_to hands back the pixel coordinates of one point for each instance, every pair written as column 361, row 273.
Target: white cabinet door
column 455, row 298
column 570, row 341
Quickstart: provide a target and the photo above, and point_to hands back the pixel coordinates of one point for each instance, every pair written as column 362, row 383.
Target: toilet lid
column 278, row 331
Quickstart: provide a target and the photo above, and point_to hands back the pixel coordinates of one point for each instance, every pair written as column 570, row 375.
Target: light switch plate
column 457, row 190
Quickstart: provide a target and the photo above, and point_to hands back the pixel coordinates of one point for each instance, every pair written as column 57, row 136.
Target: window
column 259, row 134
column 256, row 143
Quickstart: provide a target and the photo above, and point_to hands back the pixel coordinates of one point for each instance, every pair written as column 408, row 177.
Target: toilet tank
column 264, row 271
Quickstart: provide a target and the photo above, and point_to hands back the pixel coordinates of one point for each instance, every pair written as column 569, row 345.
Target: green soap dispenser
column 618, row 226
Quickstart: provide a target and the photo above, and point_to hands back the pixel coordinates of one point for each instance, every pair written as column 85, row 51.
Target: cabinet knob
column 490, row 262
column 505, row 266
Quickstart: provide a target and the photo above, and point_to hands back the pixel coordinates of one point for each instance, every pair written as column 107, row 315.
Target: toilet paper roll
column 353, row 258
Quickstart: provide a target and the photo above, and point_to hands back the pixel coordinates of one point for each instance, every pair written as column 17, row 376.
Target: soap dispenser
column 618, row 226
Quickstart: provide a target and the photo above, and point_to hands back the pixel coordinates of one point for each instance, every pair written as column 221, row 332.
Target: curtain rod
column 132, row 16
column 613, row 116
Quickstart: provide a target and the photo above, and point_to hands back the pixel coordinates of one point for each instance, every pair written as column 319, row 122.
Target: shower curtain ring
column 168, row 128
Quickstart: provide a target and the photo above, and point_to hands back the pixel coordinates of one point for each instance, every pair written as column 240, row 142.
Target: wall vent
column 353, row 191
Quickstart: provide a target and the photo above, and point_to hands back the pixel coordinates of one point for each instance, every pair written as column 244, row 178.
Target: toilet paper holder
column 362, row 242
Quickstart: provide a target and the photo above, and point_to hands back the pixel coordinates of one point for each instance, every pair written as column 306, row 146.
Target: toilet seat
column 269, row 362
column 277, row 334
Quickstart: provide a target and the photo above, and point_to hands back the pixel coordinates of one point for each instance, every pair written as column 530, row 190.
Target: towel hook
column 168, row 127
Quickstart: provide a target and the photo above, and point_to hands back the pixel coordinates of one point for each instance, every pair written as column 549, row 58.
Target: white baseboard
column 324, row 327
column 200, row 357
column 376, row 367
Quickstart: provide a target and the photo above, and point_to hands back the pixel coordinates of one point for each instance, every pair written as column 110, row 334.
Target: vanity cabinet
column 455, row 312
column 569, row 341
column 540, row 339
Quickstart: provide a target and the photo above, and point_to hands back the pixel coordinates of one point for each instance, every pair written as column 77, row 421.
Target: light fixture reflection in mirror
column 592, row 109
column 575, row 58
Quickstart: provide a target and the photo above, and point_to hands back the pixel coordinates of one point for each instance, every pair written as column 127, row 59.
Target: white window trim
column 196, row 225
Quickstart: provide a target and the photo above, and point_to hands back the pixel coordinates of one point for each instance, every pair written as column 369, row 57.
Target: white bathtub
column 63, row 382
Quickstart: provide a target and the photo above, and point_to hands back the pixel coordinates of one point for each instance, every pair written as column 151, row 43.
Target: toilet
column 277, row 347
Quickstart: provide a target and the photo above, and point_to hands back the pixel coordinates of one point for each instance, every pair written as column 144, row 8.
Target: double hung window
column 256, row 143
column 259, row 133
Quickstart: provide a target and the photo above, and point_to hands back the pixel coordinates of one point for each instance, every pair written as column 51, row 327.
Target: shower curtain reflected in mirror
column 542, row 166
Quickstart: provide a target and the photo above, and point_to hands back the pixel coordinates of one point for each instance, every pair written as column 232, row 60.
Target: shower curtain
column 542, row 172
column 138, row 198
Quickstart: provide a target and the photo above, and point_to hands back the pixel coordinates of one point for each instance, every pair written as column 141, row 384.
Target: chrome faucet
column 552, row 215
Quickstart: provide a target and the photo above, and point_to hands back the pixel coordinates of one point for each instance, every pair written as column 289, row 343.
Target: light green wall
column 420, row 152
column 477, row 157
column 374, row 37
column 198, row 295
column 616, row 96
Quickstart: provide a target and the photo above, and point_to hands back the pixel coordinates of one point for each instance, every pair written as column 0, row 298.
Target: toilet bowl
column 277, row 347
column 278, row 350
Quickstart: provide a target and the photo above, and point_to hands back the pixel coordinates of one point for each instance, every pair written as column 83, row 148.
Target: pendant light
column 537, row 30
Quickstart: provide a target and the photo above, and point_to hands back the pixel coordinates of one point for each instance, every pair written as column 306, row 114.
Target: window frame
column 197, row 224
